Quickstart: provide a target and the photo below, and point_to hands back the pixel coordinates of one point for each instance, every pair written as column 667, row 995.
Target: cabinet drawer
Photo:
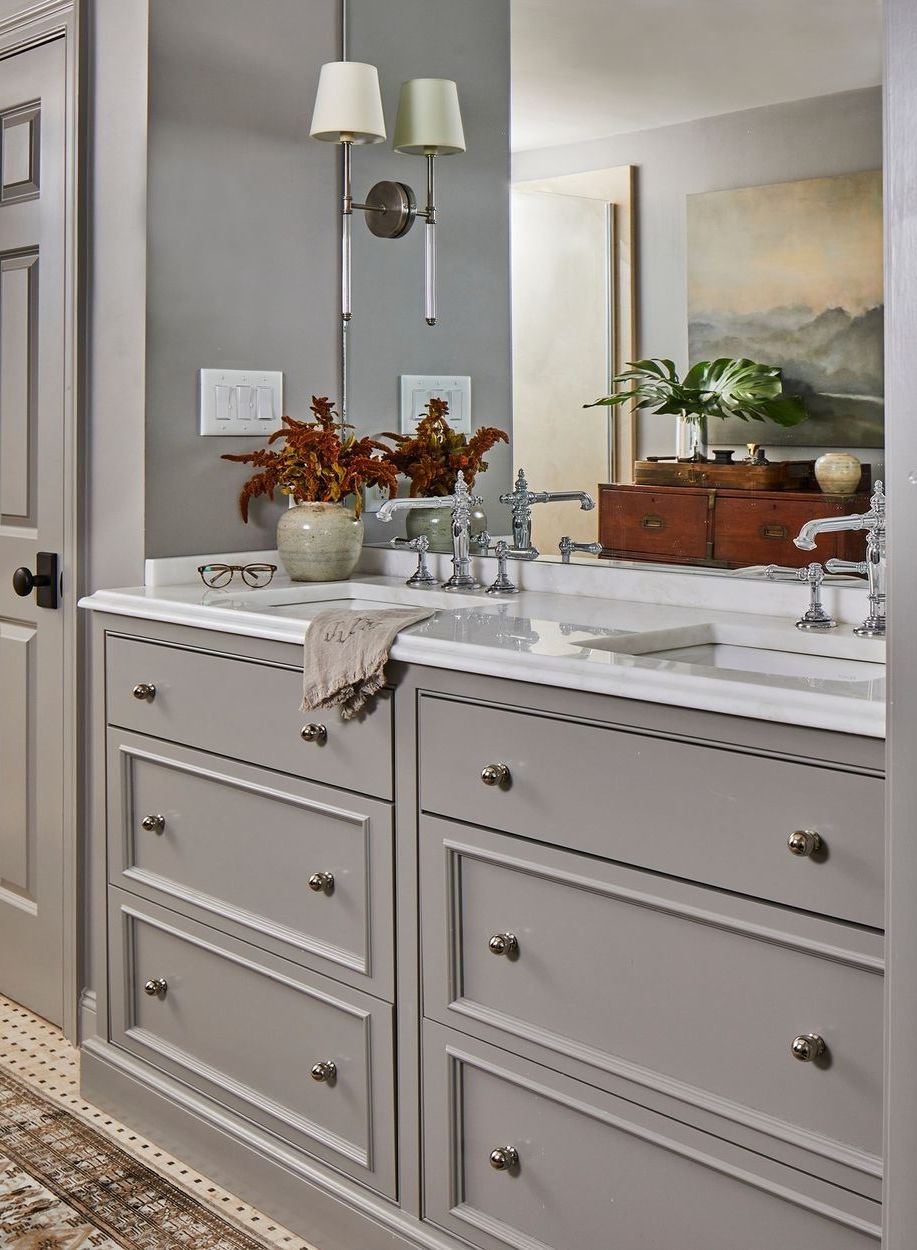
column 669, row 985
column 596, row 1171
column 247, row 710
column 761, row 529
column 245, row 1028
column 238, row 846
column 667, row 523
column 701, row 812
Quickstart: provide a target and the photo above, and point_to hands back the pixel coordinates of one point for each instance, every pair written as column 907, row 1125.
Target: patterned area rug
column 65, row 1187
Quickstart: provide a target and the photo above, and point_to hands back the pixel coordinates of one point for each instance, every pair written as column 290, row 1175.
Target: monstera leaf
column 711, row 388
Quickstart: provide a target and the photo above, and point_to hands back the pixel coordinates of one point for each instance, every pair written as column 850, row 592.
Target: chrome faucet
column 461, row 502
column 567, row 546
column 873, row 522
column 521, row 499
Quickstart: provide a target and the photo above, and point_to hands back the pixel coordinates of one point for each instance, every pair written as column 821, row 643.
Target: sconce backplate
column 400, row 210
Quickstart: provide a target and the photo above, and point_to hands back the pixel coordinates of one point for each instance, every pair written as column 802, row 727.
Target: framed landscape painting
column 791, row 275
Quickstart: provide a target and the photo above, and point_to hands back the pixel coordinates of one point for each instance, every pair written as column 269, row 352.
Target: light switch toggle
column 240, row 402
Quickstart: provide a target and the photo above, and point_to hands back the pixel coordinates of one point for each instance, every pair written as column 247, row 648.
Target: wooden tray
column 780, row 475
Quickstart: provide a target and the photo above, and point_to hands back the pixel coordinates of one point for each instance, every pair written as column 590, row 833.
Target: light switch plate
column 244, row 403
column 417, row 389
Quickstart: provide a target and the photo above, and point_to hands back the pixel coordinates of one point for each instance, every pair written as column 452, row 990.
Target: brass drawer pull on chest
column 314, row 733
column 808, row 1047
column 503, row 1158
column 495, row 775
column 153, row 824
column 652, row 522
column 145, row 691
column 804, row 842
column 504, row 944
column 325, row 1071
column 778, row 533
column 156, row 987
column 321, row 882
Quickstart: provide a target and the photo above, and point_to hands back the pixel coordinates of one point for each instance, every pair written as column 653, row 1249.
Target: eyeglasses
column 256, row 575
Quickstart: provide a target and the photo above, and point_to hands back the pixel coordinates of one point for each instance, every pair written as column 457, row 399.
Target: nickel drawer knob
column 153, row 824
column 504, row 1158
column 314, row 733
column 804, row 842
column 321, row 882
column 156, row 987
column 495, row 775
column 325, row 1070
column 145, row 691
column 808, row 1047
column 503, row 944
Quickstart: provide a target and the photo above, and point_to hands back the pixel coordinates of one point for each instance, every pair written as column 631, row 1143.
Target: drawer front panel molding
column 249, row 1030
column 681, row 989
column 241, row 847
column 576, row 1169
column 245, row 710
column 721, row 816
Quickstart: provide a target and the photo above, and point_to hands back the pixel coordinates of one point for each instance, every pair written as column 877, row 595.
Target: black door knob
column 24, row 582
column 43, row 580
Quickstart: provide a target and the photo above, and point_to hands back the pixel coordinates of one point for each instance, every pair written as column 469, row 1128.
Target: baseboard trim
column 88, row 1015
column 322, row 1207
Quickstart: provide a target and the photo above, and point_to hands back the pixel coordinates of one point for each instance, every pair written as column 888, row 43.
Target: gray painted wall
column 243, row 229
column 805, row 139
column 242, row 255
column 468, row 42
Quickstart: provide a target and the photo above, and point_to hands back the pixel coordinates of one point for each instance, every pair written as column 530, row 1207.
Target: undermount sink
column 303, row 600
column 700, row 648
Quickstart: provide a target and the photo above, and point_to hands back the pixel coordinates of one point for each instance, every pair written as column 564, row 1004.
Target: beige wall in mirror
column 759, row 176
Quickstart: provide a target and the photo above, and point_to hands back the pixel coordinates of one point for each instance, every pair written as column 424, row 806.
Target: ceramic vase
column 436, row 525
column 690, row 437
column 838, row 473
column 319, row 542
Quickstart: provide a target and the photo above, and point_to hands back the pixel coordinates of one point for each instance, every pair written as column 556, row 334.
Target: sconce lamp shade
column 429, row 119
column 348, row 104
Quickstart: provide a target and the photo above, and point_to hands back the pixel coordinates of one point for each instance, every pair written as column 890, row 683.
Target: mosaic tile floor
column 35, row 1053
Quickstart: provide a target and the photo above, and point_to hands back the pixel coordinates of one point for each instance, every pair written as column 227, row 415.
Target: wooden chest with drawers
column 722, row 528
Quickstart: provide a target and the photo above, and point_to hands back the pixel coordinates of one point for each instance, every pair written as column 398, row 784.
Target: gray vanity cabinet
column 694, row 809
column 246, row 710
column 498, row 965
column 304, row 870
column 250, row 1030
column 530, row 1159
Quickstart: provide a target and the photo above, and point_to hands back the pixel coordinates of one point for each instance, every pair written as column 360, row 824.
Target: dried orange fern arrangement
column 319, row 462
column 431, row 457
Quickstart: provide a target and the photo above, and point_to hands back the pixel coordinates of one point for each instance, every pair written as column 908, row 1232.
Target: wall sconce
column 348, row 111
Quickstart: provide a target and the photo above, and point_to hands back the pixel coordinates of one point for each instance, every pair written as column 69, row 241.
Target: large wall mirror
column 675, row 180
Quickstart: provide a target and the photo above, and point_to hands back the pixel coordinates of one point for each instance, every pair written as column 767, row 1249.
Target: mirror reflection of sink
column 697, row 647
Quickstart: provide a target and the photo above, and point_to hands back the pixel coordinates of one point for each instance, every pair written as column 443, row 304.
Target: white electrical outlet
column 417, row 389
column 240, row 402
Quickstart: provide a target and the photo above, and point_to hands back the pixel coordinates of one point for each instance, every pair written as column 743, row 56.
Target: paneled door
column 32, row 408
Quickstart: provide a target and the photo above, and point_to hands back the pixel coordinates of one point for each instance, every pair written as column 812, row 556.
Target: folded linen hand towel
column 346, row 653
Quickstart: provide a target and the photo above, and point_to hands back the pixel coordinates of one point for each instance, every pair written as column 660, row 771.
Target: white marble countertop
column 739, row 663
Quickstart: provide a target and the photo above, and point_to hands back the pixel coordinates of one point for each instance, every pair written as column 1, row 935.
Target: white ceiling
column 587, row 69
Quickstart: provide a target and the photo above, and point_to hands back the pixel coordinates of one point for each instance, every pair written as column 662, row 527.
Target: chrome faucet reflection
column 461, row 502
column 873, row 522
column 520, row 499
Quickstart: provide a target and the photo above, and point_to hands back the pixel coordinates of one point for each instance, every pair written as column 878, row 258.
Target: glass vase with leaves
column 727, row 387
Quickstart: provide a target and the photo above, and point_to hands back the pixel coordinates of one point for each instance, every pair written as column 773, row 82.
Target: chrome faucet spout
column 461, row 502
column 520, row 499
column 806, row 538
column 391, row 506
column 873, row 522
